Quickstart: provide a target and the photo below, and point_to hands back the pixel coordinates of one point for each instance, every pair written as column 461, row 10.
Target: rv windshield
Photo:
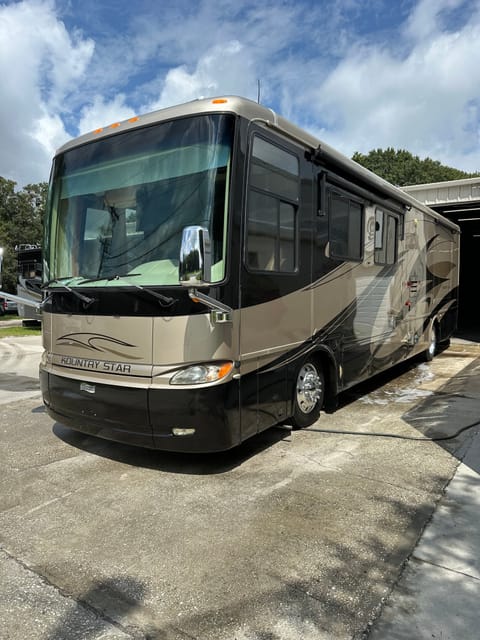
column 118, row 205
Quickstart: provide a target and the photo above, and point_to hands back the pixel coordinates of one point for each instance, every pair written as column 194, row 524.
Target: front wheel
column 432, row 345
column 308, row 395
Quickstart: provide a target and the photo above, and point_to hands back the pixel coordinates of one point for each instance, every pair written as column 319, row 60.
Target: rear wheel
column 309, row 394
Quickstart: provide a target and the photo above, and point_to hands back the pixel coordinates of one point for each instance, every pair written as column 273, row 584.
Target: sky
column 358, row 74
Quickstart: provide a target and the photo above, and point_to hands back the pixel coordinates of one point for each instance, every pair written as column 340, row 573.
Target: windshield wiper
column 47, row 284
column 165, row 301
column 87, row 301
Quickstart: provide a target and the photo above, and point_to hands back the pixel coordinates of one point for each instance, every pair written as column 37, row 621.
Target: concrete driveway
column 294, row 535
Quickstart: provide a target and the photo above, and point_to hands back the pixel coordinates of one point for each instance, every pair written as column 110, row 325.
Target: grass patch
column 20, row 331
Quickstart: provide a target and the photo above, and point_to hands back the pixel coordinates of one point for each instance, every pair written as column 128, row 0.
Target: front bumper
column 145, row 417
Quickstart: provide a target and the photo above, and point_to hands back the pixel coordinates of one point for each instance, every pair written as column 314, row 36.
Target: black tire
column 309, row 394
column 431, row 351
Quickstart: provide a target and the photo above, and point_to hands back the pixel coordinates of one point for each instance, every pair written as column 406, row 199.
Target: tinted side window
column 386, row 237
column 345, row 227
column 272, row 208
column 274, row 170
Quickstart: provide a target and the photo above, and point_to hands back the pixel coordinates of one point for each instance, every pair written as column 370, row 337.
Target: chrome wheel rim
column 309, row 388
column 433, row 342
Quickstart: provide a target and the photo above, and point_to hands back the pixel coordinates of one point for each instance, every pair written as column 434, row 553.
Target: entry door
column 272, row 319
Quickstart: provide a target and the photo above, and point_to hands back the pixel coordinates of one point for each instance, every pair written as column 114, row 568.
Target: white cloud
column 100, row 113
column 49, row 131
column 223, row 69
column 411, row 85
column 426, row 102
column 215, row 48
column 425, row 19
column 40, row 62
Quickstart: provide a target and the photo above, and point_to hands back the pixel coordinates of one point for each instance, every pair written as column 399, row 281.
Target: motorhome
column 212, row 270
column 29, row 281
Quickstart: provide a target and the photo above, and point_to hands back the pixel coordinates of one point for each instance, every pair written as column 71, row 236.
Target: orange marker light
column 98, row 130
column 114, row 125
column 134, row 119
column 219, row 101
column 225, row 369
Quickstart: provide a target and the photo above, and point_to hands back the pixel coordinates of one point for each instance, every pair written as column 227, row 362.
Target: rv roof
column 254, row 111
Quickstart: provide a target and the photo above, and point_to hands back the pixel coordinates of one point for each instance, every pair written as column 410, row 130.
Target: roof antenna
column 258, row 91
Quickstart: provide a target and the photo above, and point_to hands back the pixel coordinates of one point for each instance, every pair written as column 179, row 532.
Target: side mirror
column 195, row 264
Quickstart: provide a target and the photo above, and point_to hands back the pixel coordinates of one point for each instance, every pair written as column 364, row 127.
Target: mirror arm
column 209, row 302
column 219, row 313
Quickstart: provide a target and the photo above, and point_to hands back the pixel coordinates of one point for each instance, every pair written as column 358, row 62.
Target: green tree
column 21, row 222
column 402, row 168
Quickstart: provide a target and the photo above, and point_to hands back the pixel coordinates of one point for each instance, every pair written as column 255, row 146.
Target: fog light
column 180, row 431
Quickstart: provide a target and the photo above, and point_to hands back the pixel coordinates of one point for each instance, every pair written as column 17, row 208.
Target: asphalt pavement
column 438, row 592
column 306, row 535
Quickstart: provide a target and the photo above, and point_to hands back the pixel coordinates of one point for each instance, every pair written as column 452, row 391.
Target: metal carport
column 459, row 201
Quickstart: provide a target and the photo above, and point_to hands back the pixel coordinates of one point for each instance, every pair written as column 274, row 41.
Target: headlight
column 201, row 373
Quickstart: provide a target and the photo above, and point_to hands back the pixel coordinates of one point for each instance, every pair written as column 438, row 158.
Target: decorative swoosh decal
column 96, row 342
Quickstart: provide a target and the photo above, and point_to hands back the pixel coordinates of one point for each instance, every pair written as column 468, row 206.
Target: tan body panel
column 133, row 351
